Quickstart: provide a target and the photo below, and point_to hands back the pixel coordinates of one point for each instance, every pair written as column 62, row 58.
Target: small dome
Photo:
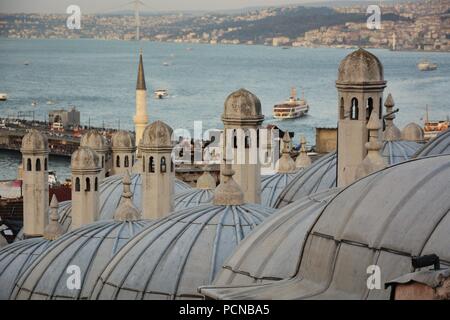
column 392, row 133
column 34, row 141
column 242, row 105
column 157, row 135
column 360, row 66
column 94, row 140
column 90, row 247
column 192, row 198
column 399, row 151
column 173, row 257
column 122, row 141
column 206, row 181
column 110, row 191
column 85, row 158
column 15, row 259
column 384, row 219
column 436, row 146
column 273, row 185
column 412, row 132
column 320, row 176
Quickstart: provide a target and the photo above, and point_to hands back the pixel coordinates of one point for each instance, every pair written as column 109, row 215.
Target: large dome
column 15, row 259
column 360, row 66
column 384, row 219
column 179, row 253
column 34, row 141
column 90, row 248
column 439, row 145
column 265, row 254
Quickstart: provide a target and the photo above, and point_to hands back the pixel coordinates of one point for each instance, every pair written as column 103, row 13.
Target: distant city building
column 68, row 118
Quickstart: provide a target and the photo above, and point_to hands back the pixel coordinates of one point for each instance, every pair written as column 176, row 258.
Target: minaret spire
column 140, row 85
column 141, row 117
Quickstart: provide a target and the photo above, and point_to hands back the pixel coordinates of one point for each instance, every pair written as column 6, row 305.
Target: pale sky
column 107, row 6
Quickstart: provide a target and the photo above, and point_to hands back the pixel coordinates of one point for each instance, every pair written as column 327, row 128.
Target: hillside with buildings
column 419, row 25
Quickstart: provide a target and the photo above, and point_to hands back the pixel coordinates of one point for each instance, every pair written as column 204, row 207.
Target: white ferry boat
column 292, row 108
column 3, row 97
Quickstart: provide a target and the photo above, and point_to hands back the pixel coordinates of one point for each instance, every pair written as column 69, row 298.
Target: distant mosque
column 311, row 230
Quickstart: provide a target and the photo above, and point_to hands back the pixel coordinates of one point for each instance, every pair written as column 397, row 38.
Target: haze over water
column 99, row 78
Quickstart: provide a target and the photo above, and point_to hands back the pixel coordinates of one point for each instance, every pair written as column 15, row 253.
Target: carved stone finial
column 54, row 229
column 228, row 193
column 126, row 210
column 285, row 164
column 303, row 160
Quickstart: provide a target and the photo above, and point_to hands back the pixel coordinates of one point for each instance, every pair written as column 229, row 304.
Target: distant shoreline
column 349, row 47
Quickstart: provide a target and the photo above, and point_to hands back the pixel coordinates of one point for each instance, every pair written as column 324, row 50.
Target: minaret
column 158, row 172
column 54, row 229
column 242, row 119
column 391, row 132
column 141, row 117
column 123, row 152
column 285, row 164
column 360, row 87
column 35, row 183
column 94, row 140
column 85, row 187
column 303, row 160
column 373, row 160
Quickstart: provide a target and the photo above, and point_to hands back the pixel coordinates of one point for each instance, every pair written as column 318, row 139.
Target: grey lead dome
column 383, row 219
column 439, row 145
column 34, row 141
column 179, row 253
column 360, row 66
column 90, row 248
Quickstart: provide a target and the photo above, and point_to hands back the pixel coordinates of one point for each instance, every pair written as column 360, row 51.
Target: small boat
column 50, row 102
column 26, row 63
column 34, row 103
column 292, row 108
column 161, row 93
column 432, row 128
column 3, row 97
column 166, row 64
column 426, row 65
